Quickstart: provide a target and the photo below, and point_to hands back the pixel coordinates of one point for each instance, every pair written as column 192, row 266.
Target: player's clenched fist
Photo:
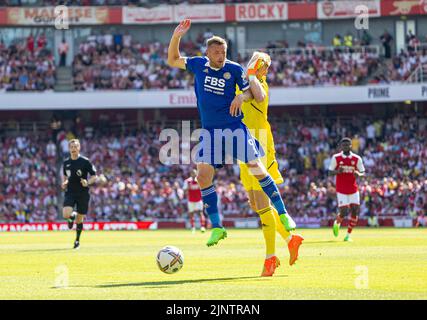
column 84, row 182
column 64, row 184
column 182, row 28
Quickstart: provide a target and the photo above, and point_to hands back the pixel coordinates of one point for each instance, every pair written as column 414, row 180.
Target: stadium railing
column 375, row 49
column 13, row 128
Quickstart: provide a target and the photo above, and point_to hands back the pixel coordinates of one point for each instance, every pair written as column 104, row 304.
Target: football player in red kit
column 195, row 203
column 347, row 166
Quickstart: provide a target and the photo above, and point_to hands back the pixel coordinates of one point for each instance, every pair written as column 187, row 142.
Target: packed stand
column 313, row 65
column 27, row 65
column 116, row 62
column 394, row 155
column 140, row 187
column 28, row 186
column 403, row 64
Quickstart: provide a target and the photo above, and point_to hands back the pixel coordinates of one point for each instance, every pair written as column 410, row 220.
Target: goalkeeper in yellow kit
column 256, row 119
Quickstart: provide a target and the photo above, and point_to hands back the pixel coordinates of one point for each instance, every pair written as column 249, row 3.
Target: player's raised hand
column 182, row 28
column 236, row 106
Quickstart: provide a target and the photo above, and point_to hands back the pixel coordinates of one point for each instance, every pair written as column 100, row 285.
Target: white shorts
column 345, row 200
column 195, row 206
column 422, row 220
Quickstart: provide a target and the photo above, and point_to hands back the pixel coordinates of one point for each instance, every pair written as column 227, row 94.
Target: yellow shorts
column 249, row 182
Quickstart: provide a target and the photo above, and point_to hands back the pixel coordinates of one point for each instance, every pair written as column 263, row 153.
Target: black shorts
column 79, row 202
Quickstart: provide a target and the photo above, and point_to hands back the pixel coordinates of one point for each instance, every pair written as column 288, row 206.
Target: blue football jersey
column 215, row 90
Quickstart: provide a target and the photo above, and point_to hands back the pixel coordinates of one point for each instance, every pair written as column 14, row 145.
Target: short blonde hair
column 74, row 141
column 216, row 40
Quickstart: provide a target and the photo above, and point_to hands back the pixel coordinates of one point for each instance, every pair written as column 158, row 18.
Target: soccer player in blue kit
column 215, row 80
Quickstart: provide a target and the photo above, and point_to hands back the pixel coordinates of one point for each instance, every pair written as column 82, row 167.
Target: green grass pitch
column 379, row 264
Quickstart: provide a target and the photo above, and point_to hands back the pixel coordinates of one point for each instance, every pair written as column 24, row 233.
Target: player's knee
column 253, row 205
column 257, row 169
column 66, row 213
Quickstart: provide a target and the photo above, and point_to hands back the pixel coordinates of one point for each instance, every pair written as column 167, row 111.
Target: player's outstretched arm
column 174, row 57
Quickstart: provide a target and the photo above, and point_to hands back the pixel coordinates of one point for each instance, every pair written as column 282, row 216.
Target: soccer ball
column 170, row 259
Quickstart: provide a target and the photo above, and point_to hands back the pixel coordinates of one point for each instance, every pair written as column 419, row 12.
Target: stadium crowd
column 108, row 61
column 28, row 188
column 27, row 66
column 141, row 187
column 400, row 67
column 115, row 61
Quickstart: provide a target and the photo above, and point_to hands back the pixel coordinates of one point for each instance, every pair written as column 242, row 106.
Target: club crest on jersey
column 206, row 70
column 227, row 75
column 353, row 163
column 79, row 173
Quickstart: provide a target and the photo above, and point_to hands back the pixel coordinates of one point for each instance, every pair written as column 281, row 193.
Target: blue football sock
column 210, row 201
column 270, row 188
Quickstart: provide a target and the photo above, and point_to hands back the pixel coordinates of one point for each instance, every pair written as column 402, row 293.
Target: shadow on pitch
column 160, row 284
column 45, row 250
column 316, row 242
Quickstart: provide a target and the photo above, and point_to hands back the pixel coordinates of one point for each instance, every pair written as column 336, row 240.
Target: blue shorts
column 227, row 145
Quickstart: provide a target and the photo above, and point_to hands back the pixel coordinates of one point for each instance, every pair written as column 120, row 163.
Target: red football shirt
column 346, row 182
column 194, row 193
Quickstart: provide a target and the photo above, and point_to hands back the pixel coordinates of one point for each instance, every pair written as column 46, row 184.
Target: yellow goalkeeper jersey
column 256, row 119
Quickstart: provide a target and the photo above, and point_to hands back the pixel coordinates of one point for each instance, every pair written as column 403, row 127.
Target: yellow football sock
column 280, row 228
column 268, row 229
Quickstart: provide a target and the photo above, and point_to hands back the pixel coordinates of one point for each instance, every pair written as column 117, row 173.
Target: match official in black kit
column 76, row 184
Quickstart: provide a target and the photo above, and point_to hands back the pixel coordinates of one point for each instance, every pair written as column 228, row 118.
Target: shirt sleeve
column 91, row 168
column 241, row 80
column 360, row 166
column 185, row 186
column 333, row 164
column 192, row 63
